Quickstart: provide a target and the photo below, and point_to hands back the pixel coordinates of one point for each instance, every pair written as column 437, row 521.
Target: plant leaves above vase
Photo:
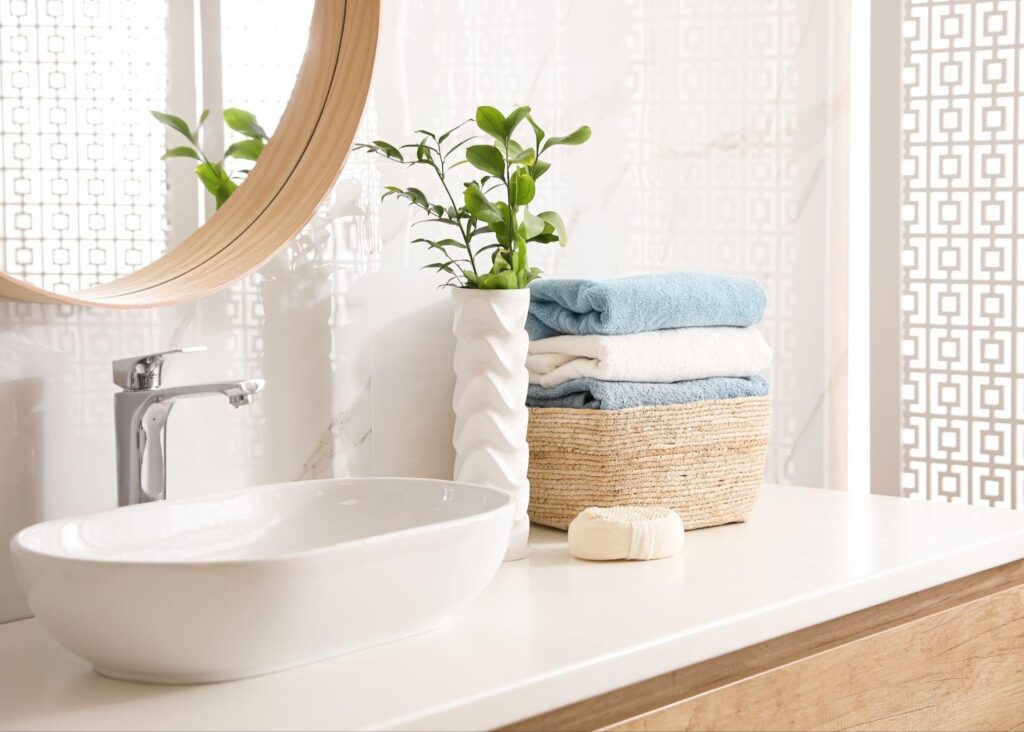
column 492, row 216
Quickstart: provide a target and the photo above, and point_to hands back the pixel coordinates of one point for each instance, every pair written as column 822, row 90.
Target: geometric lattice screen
column 83, row 188
column 962, row 256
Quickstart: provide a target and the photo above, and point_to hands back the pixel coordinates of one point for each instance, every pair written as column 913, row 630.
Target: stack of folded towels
column 645, row 341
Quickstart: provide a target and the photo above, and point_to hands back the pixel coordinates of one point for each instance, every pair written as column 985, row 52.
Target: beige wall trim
column 885, row 236
column 837, row 328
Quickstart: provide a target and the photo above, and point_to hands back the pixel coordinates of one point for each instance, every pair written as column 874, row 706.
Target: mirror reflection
column 126, row 124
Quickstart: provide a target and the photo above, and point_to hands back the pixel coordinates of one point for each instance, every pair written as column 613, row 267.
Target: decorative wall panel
column 962, row 257
column 707, row 152
column 83, row 192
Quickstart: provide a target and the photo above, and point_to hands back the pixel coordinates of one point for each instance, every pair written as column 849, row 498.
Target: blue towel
column 588, row 393
column 640, row 304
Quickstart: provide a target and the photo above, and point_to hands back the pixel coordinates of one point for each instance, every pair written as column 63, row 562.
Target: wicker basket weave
column 705, row 460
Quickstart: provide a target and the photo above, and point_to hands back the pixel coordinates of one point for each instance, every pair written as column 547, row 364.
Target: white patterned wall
column 83, row 191
column 963, row 261
column 710, row 120
column 708, row 150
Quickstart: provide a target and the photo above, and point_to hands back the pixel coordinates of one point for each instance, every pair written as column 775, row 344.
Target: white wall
column 709, row 124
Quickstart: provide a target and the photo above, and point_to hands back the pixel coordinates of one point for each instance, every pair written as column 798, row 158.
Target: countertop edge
column 600, row 675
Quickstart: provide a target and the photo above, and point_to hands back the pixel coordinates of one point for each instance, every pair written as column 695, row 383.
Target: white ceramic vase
column 490, row 398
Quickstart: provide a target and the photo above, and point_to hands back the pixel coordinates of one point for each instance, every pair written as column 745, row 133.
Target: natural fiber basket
column 705, row 460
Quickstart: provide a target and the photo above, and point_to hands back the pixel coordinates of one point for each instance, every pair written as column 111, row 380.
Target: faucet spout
column 140, row 424
column 238, row 392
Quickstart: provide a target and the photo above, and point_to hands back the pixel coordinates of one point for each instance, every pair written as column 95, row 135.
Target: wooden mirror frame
column 295, row 172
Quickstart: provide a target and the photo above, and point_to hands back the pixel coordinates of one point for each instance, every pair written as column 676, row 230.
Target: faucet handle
column 143, row 372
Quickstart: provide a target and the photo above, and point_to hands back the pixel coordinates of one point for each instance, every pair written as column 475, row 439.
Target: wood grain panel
column 650, row 704
column 960, row 669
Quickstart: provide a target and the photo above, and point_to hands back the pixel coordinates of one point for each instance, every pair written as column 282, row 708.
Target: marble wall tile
column 708, row 153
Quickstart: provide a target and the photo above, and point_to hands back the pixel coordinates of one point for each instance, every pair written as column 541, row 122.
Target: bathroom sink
column 239, row 584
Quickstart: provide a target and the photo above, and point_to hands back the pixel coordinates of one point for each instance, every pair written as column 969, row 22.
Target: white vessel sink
column 244, row 583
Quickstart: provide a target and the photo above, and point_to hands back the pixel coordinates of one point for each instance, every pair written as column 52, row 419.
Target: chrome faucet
column 141, row 410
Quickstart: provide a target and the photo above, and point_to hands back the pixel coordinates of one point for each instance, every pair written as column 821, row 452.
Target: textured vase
column 490, row 398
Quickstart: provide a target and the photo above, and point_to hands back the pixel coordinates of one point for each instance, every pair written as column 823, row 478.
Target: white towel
column 657, row 356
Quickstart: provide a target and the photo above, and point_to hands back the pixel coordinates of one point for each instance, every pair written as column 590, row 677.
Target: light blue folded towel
column 644, row 303
column 588, row 393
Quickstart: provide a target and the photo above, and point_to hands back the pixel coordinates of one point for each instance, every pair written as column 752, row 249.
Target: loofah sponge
column 626, row 532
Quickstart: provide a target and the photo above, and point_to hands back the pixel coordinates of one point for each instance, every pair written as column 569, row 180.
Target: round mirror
column 154, row 151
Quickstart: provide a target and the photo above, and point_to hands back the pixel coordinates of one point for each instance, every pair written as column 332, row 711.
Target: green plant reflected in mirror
column 218, row 179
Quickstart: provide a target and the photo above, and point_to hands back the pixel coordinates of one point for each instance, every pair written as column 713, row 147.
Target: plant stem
column 458, row 221
column 512, row 235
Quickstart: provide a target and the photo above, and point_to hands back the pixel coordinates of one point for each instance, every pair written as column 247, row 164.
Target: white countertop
column 553, row 630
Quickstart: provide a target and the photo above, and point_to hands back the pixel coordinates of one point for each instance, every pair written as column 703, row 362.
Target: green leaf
column 491, row 121
column 224, row 192
column 556, row 221
column 418, row 197
column 503, row 209
column 175, row 123
column 423, row 153
column 381, row 148
column 540, row 168
column 538, row 133
column 522, row 187
column 532, row 225
column 577, row 137
column 199, row 124
column 457, row 145
column 532, row 274
column 440, row 244
column 519, row 259
column 245, row 122
column 181, row 152
column 245, row 150
column 211, row 175
column 505, row 280
column 216, row 180
column 448, row 134
column 500, row 231
column 478, row 205
column 509, row 148
column 525, row 157
column 486, row 158
column 513, row 120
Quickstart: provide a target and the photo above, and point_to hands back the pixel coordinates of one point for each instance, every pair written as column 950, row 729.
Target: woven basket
column 705, row 460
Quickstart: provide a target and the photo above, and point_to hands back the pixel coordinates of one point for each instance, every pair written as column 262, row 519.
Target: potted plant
column 485, row 227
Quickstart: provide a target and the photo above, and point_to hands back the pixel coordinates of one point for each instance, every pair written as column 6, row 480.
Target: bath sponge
column 626, row 532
